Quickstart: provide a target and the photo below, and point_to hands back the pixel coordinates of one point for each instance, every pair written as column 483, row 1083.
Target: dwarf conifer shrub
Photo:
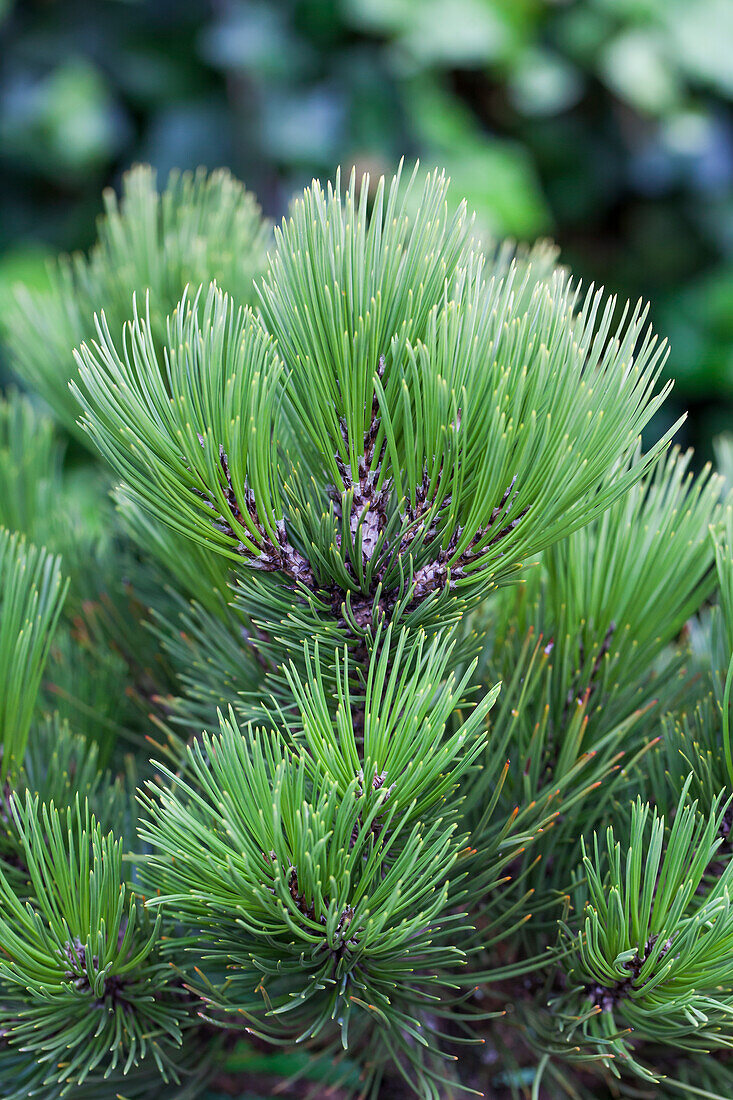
column 368, row 695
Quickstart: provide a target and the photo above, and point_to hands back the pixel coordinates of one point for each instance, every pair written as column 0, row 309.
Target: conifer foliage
column 365, row 689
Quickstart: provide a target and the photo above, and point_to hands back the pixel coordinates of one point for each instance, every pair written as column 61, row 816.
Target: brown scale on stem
column 368, row 506
column 417, row 515
column 368, row 503
column 434, row 574
column 309, row 911
column 376, row 827
column 607, row 997
column 74, row 954
column 273, row 556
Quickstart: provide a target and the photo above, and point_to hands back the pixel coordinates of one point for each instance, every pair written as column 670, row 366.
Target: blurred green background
column 606, row 124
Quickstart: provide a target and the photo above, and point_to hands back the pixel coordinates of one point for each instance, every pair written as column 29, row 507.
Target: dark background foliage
column 607, row 124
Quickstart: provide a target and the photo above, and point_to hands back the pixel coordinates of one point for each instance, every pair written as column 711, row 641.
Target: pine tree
column 365, row 680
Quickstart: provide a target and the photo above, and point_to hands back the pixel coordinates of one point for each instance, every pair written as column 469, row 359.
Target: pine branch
column 86, row 990
column 405, row 413
column 652, row 954
column 198, row 229
column 32, row 593
column 326, row 864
